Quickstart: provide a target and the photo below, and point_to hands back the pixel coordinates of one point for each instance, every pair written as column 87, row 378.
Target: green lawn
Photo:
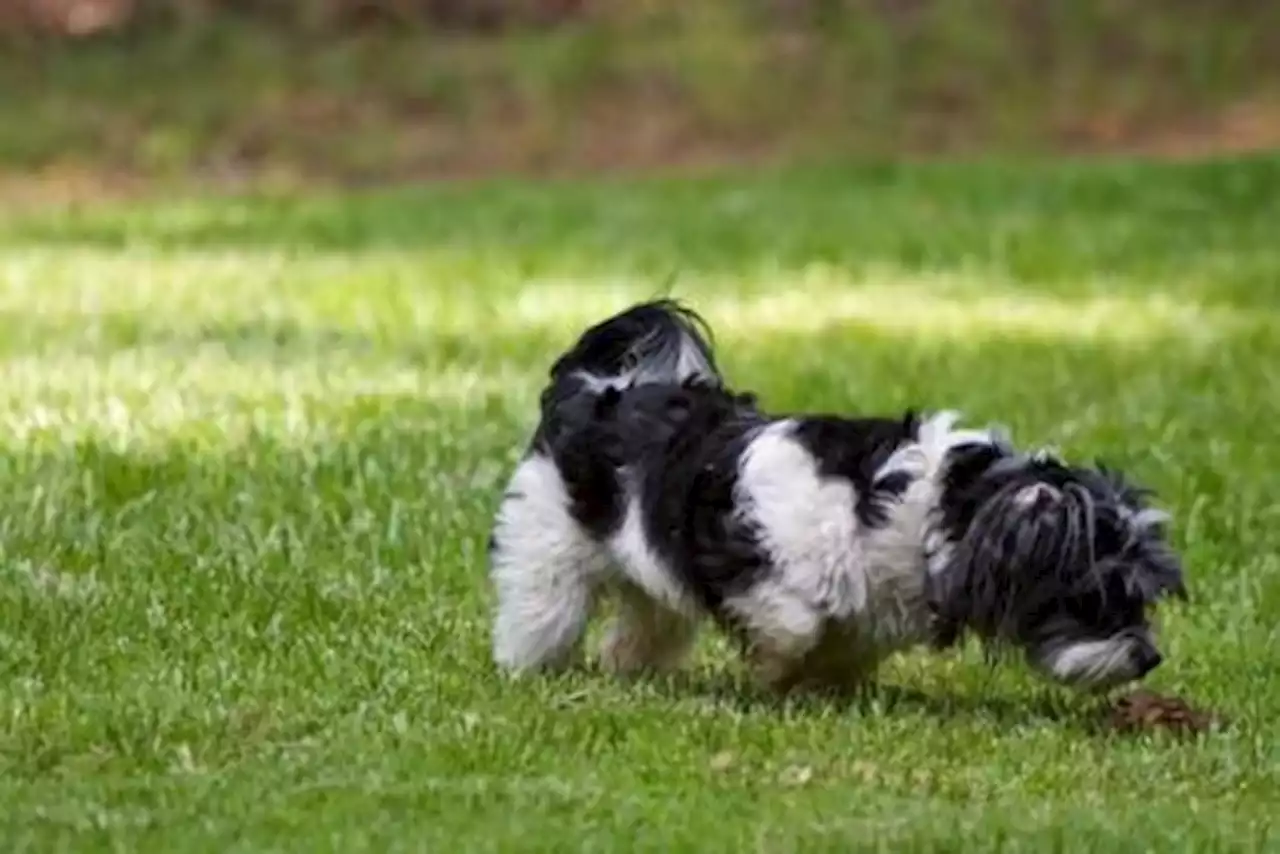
column 251, row 449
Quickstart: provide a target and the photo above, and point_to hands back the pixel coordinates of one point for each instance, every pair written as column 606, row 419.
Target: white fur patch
column 826, row 565
column 630, row 547
column 1029, row 496
column 1093, row 663
column 1149, row 517
column 661, row 366
column 937, row 438
column 690, row 362
column 925, row 461
column 807, row 525
column 544, row 567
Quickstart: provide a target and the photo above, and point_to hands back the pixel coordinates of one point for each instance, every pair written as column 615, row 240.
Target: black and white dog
column 823, row 543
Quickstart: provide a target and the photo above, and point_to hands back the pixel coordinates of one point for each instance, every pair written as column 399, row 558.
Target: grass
column 640, row 85
column 251, row 448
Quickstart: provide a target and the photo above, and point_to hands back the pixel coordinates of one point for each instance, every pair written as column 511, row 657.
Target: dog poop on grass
column 1147, row 710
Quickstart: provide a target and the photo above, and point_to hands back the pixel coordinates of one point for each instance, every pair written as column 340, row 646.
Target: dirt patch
column 1249, row 126
column 619, row 137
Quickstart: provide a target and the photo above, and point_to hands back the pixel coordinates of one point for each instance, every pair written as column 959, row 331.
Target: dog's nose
column 1145, row 659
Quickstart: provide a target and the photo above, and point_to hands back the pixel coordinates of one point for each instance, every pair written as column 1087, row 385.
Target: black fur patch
column 585, row 428
column 855, row 449
column 604, row 349
column 686, row 445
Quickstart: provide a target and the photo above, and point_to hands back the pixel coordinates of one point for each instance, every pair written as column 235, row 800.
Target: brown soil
column 1247, row 126
column 631, row 136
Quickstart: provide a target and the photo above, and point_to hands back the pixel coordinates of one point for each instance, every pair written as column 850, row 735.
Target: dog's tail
column 652, row 343
column 657, row 342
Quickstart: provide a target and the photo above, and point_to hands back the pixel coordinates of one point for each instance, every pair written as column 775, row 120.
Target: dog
column 821, row 543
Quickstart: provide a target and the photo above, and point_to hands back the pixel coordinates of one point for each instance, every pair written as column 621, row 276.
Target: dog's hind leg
column 646, row 635
column 544, row 568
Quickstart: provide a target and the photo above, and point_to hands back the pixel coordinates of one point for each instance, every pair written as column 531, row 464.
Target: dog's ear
column 1004, row 563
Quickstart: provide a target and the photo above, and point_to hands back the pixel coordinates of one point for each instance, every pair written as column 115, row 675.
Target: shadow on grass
column 1044, row 707
column 280, row 342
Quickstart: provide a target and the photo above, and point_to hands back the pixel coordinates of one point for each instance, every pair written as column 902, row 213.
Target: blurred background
column 113, row 95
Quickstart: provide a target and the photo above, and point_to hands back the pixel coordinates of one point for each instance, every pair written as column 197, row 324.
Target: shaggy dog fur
column 823, row 543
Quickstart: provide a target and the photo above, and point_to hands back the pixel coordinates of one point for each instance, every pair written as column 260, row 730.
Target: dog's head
column 1062, row 561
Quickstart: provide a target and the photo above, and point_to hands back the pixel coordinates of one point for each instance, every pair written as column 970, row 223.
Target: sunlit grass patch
column 146, row 344
column 965, row 308
column 315, row 298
